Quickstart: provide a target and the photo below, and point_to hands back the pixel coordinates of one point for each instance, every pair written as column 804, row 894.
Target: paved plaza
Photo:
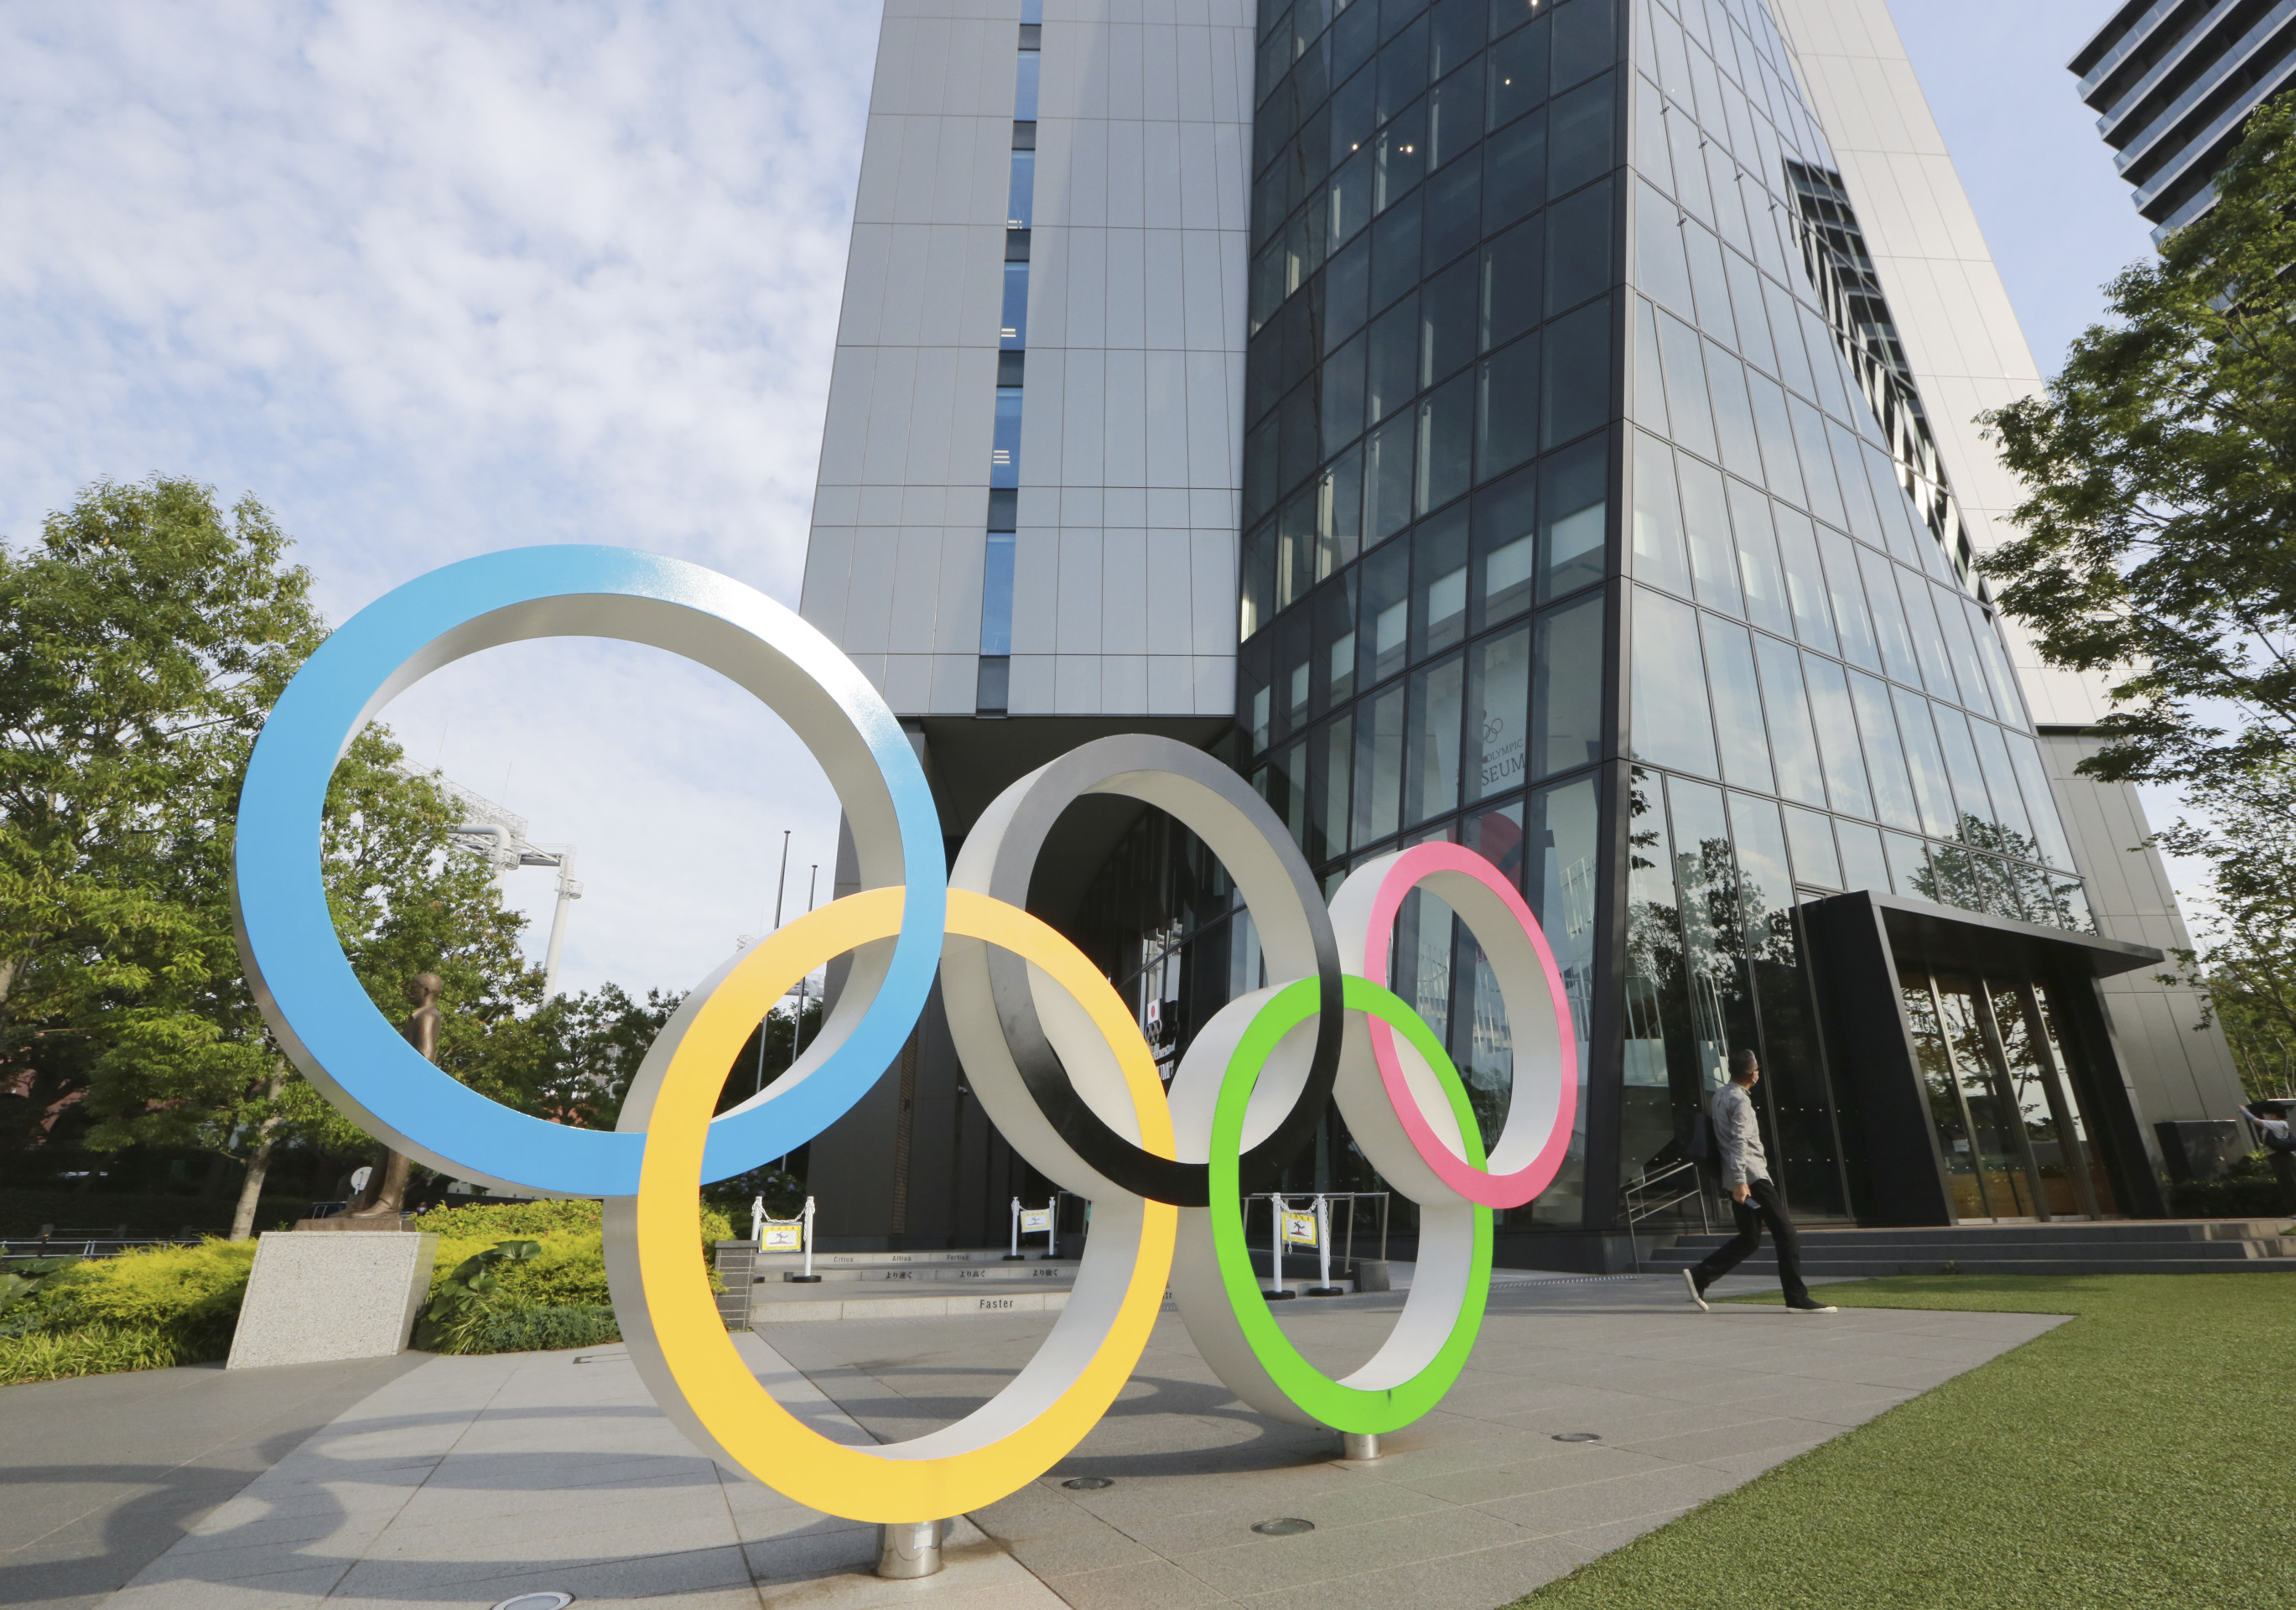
column 463, row 1482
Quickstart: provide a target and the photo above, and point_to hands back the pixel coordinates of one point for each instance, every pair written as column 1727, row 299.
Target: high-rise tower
column 1496, row 421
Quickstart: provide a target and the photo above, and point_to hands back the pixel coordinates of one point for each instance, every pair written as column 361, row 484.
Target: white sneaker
column 1690, row 1279
column 1813, row 1307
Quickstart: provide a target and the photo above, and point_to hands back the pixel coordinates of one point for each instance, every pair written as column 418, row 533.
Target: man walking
column 1753, row 1198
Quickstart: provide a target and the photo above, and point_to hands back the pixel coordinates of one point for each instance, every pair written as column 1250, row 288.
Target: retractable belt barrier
column 1054, row 1053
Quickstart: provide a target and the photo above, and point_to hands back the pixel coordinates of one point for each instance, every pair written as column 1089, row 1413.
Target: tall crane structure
column 500, row 835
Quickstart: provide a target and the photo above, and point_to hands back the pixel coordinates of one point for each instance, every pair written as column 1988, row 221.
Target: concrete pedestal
column 316, row 1299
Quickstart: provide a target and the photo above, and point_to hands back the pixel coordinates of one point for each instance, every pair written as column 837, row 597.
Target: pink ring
column 1482, row 1186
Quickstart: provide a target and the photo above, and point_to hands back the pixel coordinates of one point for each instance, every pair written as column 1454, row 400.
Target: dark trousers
column 1760, row 1208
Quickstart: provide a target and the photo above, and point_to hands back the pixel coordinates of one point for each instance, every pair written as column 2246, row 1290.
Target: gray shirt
column 1743, row 1161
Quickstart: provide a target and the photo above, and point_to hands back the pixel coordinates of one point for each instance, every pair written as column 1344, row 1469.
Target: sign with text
column 782, row 1238
column 1299, row 1229
column 1036, row 1221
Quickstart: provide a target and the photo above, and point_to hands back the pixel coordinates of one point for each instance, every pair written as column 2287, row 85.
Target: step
column 986, row 1274
column 2104, row 1255
column 802, row 1304
column 2149, row 1231
column 1847, row 1268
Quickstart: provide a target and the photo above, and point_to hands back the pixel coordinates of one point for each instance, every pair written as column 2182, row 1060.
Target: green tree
column 140, row 637
column 141, row 644
column 2159, row 531
column 2246, row 962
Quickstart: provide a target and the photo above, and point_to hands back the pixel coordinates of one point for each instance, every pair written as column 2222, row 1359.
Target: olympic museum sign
column 1054, row 1053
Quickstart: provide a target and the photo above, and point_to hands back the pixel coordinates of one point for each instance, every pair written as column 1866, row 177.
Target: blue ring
column 315, row 1005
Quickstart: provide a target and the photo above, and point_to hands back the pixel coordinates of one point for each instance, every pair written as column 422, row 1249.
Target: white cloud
column 432, row 280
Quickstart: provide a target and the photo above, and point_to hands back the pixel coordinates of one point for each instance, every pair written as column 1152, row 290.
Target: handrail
column 1646, row 1183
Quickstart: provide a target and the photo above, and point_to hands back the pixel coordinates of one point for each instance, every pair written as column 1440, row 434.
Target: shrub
column 146, row 1309
column 545, row 1327
column 2249, row 1189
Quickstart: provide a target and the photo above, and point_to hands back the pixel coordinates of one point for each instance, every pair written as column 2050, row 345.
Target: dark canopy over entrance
column 1974, row 1065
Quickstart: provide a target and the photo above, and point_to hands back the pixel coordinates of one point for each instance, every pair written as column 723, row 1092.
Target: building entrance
column 2004, row 1098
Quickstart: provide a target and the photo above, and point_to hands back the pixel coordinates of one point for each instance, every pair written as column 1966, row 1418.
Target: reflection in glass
column 1706, row 521
column 1567, row 688
column 1863, row 864
column 1942, row 1088
column 1745, row 748
column 1837, row 736
column 1667, row 706
column 1810, row 836
column 1658, row 558
column 1431, row 777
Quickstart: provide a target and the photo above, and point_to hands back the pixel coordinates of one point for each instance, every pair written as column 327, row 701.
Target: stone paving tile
column 469, row 1479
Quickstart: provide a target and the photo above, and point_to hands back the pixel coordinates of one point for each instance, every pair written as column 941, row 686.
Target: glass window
column 1885, row 753
column 1707, row 280
column 1706, row 518
column 1889, row 617
column 1257, row 589
column 1758, row 560
column 1771, row 425
column 1447, row 424
column 1668, row 714
column 1518, row 74
column 1863, row 866
column 1574, row 516
column 1766, row 881
column 1506, row 408
column 1393, row 367
column 1295, row 550
column 1578, row 248
column 1455, row 117
column 1793, row 363
column 1810, row 835
column 1284, row 784
column 1737, row 704
column 1327, row 829
column 1909, row 867
column 1578, row 367
column 1686, row 386
column 1402, row 70
column 1379, row 766
column 1387, row 479
column 1019, row 203
column 1849, row 453
column 1849, row 595
column 1334, row 606
column 1817, row 462
column 1567, row 688
column 2001, row 781
column 1513, row 290
column 1995, row 660
column 1439, row 595
column 1660, row 270
column 1647, row 404
column 1348, row 196
column 1837, row 736
column 1907, row 535
column 1386, row 632
column 1734, row 414
column 1931, row 789
column 1505, row 543
column 1928, row 641
column 1446, row 323
column 1660, row 558
column 1395, row 251
column 1968, row 669
column 1682, row 138
column 1013, row 337
column 1498, row 704
column 1514, row 172
column 1581, row 134
column 1343, row 396
column 1584, row 41
column 1977, row 823
column 1804, row 579
column 1793, row 742
column 1454, row 208
column 1495, row 834
column 1454, row 33
column 1561, row 842
column 1347, row 291
column 1339, row 513
column 1430, row 777
column 1746, row 301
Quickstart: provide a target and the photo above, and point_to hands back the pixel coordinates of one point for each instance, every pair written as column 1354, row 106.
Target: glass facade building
column 1586, row 511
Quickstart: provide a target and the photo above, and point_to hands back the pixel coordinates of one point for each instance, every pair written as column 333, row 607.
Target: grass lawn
column 2143, row 1453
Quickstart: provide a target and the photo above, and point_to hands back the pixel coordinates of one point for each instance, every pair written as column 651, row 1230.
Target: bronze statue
column 385, row 1195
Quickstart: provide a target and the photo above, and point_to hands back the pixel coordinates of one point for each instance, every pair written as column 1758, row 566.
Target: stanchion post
column 1053, row 1225
column 809, row 1277
column 909, row 1550
column 1014, row 1255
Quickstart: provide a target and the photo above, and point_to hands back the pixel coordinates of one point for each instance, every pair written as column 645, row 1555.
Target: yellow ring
column 670, row 1316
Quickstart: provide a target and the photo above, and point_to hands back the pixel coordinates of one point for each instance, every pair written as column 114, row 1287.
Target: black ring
column 1259, row 855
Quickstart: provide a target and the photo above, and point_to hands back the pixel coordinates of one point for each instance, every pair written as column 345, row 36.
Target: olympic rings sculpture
column 1053, row 1054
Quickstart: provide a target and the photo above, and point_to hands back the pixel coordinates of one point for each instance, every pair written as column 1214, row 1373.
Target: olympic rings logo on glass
column 1052, row 1052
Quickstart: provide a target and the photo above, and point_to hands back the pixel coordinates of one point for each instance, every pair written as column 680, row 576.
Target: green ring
column 1340, row 1407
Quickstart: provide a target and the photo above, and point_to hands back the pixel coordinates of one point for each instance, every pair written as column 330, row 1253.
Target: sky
column 431, row 279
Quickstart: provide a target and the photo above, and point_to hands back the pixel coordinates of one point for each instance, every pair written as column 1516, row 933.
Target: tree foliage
column 2159, row 533
column 2246, row 964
